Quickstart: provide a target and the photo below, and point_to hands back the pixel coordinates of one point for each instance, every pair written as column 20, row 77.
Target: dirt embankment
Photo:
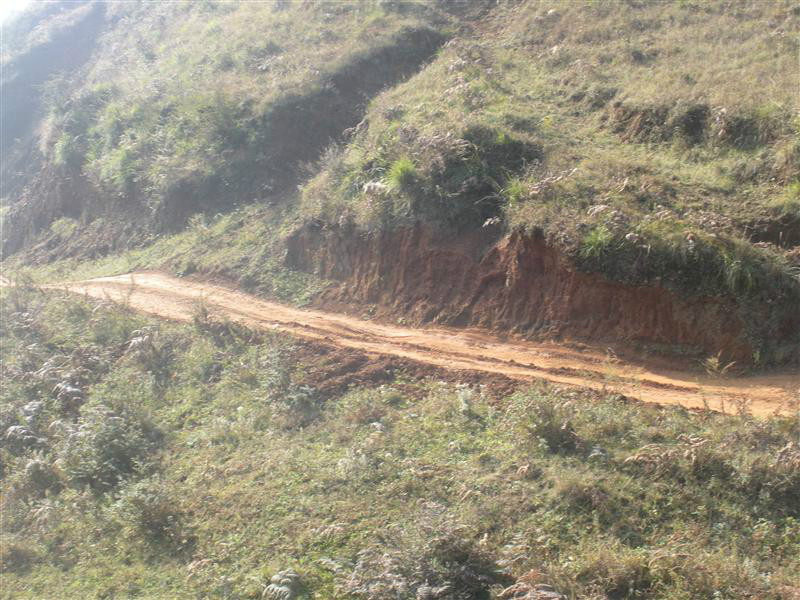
column 515, row 283
column 470, row 354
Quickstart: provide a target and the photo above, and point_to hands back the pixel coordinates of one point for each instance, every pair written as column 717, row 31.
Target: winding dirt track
column 469, row 349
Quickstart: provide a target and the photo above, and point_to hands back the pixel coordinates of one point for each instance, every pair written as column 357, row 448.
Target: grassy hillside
column 200, row 106
column 148, row 460
column 612, row 131
column 626, row 147
column 653, row 143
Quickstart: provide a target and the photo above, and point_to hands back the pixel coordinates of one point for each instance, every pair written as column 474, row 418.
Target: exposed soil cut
column 457, row 350
column 517, row 283
column 331, row 370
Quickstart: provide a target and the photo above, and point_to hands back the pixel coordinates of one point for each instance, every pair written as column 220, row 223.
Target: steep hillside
column 186, row 107
column 620, row 174
column 205, row 460
column 614, row 184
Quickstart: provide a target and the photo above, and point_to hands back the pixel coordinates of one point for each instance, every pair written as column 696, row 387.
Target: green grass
column 597, row 243
column 402, row 174
column 243, row 247
column 242, row 470
column 550, row 103
column 186, row 94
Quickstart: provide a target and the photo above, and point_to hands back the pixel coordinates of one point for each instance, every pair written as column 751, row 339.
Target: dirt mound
column 331, row 371
column 516, row 283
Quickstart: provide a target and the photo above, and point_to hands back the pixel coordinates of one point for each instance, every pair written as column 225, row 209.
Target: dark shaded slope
column 66, row 51
column 297, row 128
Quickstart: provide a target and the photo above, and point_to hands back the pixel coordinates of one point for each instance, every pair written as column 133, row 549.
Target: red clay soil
column 454, row 350
column 515, row 284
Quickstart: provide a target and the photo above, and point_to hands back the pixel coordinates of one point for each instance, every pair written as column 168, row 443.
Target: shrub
column 15, row 556
column 296, row 406
column 152, row 354
column 68, row 151
column 284, row 585
column 435, row 557
column 148, row 510
column 105, row 447
column 40, row 477
column 547, row 421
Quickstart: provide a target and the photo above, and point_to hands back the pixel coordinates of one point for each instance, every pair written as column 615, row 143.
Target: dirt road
column 173, row 298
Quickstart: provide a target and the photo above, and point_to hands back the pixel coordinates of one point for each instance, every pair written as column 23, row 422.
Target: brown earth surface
column 468, row 350
column 520, row 284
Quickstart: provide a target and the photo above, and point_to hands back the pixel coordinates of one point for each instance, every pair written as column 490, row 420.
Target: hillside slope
column 417, row 193
column 623, row 177
column 144, row 459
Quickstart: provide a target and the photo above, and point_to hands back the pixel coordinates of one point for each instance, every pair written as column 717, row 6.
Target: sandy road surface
column 470, row 349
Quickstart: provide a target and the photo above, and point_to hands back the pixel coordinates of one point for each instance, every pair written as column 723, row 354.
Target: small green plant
column 402, row 174
column 596, row 243
column 515, row 192
column 68, row 151
column 64, row 227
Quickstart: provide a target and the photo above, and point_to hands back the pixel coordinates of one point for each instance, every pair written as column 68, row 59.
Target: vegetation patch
column 482, row 493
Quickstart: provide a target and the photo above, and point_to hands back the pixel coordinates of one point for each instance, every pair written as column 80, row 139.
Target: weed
column 514, row 192
column 402, row 174
column 597, row 243
column 716, row 367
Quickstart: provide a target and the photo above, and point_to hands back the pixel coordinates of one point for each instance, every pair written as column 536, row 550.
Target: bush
column 435, row 557
column 148, row 510
column 15, row 556
column 105, row 447
column 296, row 407
column 41, row 478
column 547, row 421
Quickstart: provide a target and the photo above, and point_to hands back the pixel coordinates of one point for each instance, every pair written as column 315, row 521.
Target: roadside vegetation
column 146, row 459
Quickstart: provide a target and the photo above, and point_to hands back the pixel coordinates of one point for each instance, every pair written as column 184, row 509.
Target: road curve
column 172, row 298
